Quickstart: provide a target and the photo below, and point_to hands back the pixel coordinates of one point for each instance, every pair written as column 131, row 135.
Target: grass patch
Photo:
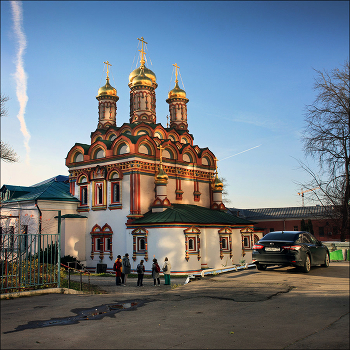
column 85, row 287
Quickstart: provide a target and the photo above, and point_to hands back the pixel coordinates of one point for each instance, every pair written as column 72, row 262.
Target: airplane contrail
column 240, row 153
column 20, row 75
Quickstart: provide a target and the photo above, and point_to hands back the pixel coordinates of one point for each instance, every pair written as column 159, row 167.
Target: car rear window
column 278, row 236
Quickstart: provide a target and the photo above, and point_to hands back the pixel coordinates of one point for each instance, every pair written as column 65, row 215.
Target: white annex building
column 147, row 190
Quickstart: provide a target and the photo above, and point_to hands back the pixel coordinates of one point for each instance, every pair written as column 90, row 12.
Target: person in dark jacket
column 126, row 268
column 118, row 270
column 140, row 272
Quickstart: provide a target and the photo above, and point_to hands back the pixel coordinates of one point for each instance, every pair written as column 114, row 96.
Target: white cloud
column 20, row 75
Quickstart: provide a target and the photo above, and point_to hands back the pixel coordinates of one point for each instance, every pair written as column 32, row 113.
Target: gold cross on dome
column 108, row 64
column 216, row 165
column 160, row 153
column 142, row 50
column 176, row 68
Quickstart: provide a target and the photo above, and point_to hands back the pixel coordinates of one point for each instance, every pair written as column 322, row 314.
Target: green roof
column 72, row 216
column 54, row 189
column 191, row 214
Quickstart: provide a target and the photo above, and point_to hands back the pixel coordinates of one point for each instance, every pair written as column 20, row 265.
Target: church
column 146, row 189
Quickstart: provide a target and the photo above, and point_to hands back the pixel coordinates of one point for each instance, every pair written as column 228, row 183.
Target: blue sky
column 247, row 68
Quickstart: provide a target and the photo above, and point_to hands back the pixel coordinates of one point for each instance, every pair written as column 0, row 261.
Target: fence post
column 59, row 250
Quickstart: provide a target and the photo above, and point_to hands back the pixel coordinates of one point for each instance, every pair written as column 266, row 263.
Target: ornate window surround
column 137, row 235
column 248, row 236
column 192, row 233
column 83, row 183
column 114, row 176
column 103, row 234
column 225, row 233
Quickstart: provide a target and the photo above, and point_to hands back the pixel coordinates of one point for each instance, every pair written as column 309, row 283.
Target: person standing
column 155, row 272
column 126, row 268
column 140, row 272
column 117, row 267
column 166, row 271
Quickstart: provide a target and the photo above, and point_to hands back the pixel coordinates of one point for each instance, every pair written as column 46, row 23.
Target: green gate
column 29, row 261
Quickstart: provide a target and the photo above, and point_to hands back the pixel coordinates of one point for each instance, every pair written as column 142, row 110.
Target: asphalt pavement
column 279, row 308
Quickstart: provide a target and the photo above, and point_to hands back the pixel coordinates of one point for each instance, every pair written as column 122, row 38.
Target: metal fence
column 29, row 261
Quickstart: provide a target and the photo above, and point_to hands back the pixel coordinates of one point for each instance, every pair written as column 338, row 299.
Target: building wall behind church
column 73, row 241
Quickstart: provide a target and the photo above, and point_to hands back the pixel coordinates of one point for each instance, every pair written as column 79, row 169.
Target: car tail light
column 258, row 246
column 291, row 247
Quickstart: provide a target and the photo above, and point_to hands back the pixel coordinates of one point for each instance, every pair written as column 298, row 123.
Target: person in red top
column 118, row 270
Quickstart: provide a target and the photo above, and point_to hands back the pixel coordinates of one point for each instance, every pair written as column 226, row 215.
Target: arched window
column 78, row 157
column 141, row 244
column 112, row 137
column 187, row 158
column 123, row 148
column 83, row 191
column 142, row 132
column 100, row 153
column 82, row 180
column 205, row 161
column 99, row 195
column 144, row 149
column 83, row 196
column 115, row 192
column 158, row 134
column 167, row 153
column 184, row 140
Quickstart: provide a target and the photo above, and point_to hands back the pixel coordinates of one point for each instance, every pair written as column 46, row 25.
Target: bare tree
column 225, row 195
column 327, row 138
column 7, row 154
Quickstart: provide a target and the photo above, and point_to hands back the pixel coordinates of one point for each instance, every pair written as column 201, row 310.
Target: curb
column 29, row 293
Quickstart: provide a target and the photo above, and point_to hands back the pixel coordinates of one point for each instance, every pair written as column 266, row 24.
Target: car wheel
column 261, row 267
column 307, row 264
column 326, row 261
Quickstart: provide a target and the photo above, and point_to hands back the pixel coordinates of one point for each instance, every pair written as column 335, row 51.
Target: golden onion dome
column 176, row 92
column 148, row 74
column 161, row 177
column 217, row 184
column 107, row 90
column 142, row 79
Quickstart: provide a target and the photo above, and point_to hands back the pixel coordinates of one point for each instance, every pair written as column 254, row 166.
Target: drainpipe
column 40, row 215
column 39, row 240
column 59, row 250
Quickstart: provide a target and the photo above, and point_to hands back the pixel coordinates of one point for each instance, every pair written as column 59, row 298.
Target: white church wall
column 169, row 242
column 205, row 194
column 211, row 251
column 73, row 238
column 236, row 246
column 171, row 188
column 147, row 192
